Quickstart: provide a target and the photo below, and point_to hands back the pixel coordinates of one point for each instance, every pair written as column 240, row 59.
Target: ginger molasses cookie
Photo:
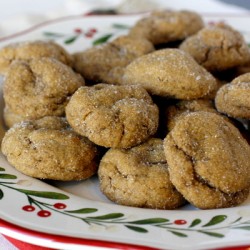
column 177, row 111
column 167, row 26
column 11, row 118
column 29, row 50
column 113, row 116
column 106, row 63
column 233, row 99
column 40, row 87
column 209, row 161
column 49, row 149
column 139, row 177
column 170, row 73
column 217, row 47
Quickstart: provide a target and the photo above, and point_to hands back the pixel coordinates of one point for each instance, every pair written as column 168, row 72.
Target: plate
column 76, row 214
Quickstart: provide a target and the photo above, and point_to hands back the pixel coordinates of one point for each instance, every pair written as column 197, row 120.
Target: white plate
column 78, row 210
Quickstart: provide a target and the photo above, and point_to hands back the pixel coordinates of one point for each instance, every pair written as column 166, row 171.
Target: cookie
column 167, row 26
column 11, row 118
column 217, row 47
column 233, row 99
column 113, row 116
column 175, row 112
column 209, row 161
column 139, row 177
column 49, row 149
column 29, row 50
column 106, row 63
column 39, row 88
column 170, row 73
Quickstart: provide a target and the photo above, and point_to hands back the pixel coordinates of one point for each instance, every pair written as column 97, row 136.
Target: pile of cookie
column 157, row 114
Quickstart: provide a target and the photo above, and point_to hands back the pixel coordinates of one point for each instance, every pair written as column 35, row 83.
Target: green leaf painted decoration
column 243, row 227
column 178, row 233
column 121, row 26
column 215, row 220
column 43, row 194
column 1, row 194
column 108, row 216
column 179, row 227
column 195, row 222
column 213, row 234
column 102, row 39
column 71, row 39
column 82, row 211
column 7, row 176
column 137, row 229
column 236, row 220
column 149, row 221
column 52, row 34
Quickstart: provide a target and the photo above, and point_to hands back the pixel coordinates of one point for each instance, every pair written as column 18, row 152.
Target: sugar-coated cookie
column 29, row 50
column 170, row 73
column 49, row 149
column 139, row 177
column 40, row 87
column 113, row 116
column 167, row 26
column 217, row 47
column 209, row 161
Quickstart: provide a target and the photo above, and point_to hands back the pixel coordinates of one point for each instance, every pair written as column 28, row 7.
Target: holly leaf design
column 107, row 216
column 149, row 221
column 121, row 26
column 44, row 194
column 236, row 220
column 178, row 233
column 195, row 222
column 82, row 211
column 215, row 220
column 243, row 227
column 137, row 229
column 7, row 176
column 102, row 39
column 213, row 234
column 71, row 39
column 52, row 34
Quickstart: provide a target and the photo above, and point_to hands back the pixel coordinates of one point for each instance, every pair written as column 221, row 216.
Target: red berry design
column 93, row 30
column 44, row 213
column 78, row 30
column 89, row 34
column 180, row 222
column 28, row 208
column 59, row 205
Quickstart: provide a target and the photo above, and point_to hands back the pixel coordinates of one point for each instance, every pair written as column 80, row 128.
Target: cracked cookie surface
column 173, row 113
column 170, row 73
column 139, row 177
column 106, row 63
column 167, row 26
column 217, row 47
column 113, row 116
column 27, row 51
column 39, row 88
column 233, row 98
column 209, row 161
column 49, row 149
